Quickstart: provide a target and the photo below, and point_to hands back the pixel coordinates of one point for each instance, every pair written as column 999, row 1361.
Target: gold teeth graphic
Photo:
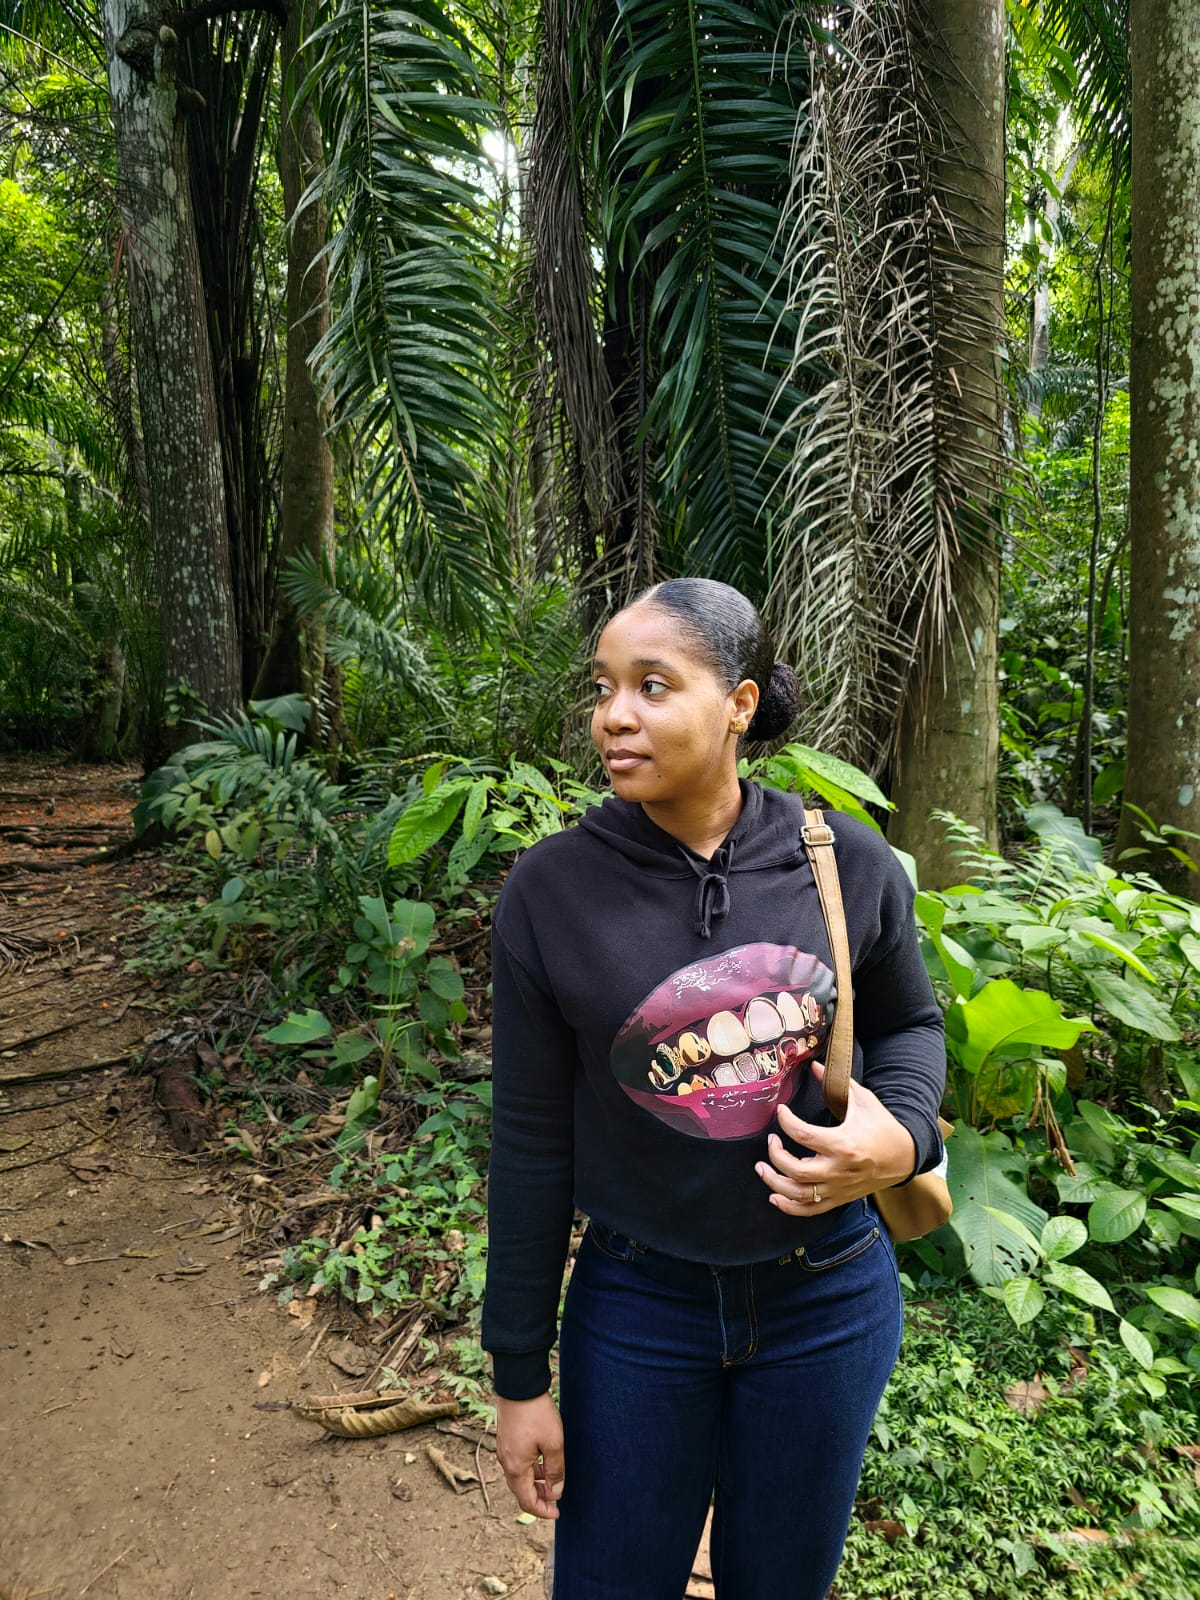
column 759, row 1040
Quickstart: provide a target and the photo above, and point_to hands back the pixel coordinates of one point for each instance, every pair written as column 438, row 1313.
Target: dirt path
column 149, row 1452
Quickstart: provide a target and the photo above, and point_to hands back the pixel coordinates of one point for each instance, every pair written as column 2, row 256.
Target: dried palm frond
column 885, row 488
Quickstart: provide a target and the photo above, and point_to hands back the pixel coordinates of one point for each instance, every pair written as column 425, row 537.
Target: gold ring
column 816, row 1199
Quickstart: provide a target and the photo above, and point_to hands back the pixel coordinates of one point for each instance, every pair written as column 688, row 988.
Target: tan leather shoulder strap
column 839, row 1054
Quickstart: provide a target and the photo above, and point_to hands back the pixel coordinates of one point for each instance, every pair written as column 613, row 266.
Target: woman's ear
column 744, row 703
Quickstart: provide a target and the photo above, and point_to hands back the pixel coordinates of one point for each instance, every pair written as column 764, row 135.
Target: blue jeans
column 752, row 1387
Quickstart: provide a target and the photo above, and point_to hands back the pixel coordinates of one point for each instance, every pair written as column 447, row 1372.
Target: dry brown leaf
column 886, row 1528
column 459, row 1478
column 1029, row 1397
column 10, row 1143
column 351, row 1359
column 265, row 1377
column 1085, row 1536
column 302, row 1310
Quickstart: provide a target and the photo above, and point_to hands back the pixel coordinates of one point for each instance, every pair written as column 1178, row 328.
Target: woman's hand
column 529, row 1448
column 869, row 1150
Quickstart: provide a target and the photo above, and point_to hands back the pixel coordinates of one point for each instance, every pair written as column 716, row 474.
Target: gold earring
column 737, row 727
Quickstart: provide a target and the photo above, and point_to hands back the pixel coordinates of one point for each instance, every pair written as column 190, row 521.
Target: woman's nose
column 618, row 711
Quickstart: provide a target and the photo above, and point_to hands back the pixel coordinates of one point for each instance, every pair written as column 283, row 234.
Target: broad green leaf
column 1085, row 1185
column 364, row 1100
column 289, row 710
column 1111, row 942
column 1176, row 1166
column 212, row 843
column 432, row 776
column 422, row 824
column 1187, row 1205
column 1079, row 1284
column 1136, row 1342
column 353, row 1047
column 1023, row 1299
column 1177, row 1302
column 1064, row 834
column 476, row 801
column 299, row 1027
column 248, row 843
column 1116, row 1214
column 1015, row 1225
column 465, row 854
column 986, row 1175
column 815, row 763
column 1131, row 1004
column 1062, row 1236
column 960, row 968
column 444, row 979
column 1190, row 945
column 1003, row 1017
column 413, row 919
column 232, row 890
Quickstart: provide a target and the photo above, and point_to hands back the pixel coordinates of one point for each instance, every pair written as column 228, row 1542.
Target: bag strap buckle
column 817, row 833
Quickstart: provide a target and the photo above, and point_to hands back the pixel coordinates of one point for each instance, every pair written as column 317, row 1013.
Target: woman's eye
column 653, row 687
column 602, row 691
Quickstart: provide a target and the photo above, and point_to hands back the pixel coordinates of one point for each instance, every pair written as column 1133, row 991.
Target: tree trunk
column 172, row 362
column 295, row 659
column 948, row 740
column 1163, row 752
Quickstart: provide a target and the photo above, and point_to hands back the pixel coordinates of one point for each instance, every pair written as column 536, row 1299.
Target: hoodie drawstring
column 712, row 892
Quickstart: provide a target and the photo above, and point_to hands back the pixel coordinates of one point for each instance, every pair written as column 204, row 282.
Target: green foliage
column 996, row 1447
column 425, row 1208
column 406, row 361
column 799, row 767
column 501, row 811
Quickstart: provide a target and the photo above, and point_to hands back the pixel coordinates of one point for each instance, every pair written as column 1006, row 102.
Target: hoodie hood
column 765, row 835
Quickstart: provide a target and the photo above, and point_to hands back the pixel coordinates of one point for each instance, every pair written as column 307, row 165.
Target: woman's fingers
column 530, row 1452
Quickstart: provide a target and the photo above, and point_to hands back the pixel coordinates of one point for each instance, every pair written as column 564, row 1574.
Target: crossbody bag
column 922, row 1204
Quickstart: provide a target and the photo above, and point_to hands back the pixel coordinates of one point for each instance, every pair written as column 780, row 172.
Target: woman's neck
column 702, row 824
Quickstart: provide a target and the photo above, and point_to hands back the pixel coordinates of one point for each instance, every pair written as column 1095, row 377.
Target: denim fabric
column 751, row 1386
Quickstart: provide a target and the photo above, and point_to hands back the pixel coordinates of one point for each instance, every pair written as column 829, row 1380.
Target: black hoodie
column 650, row 1011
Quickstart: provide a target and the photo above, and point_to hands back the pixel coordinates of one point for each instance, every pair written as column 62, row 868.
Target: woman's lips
column 624, row 761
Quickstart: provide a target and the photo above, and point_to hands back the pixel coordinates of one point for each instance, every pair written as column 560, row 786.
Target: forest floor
column 151, row 1451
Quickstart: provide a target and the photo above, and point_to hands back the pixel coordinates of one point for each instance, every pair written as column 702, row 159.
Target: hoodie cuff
column 927, row 1140
column 521, row 1377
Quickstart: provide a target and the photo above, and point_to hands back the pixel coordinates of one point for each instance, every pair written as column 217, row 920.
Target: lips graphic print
column 717, row 1046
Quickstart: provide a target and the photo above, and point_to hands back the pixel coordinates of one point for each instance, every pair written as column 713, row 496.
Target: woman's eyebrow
column 640, row 661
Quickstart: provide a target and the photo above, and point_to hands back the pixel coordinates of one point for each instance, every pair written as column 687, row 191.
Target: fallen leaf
column 1028, row 1398
column 886, row 1528
column 460, row 1479
column 90, row 1168
column 351, row 1359
column 302, row 1310
column 119, row 1348
column 264, row 1378
column 401, row 1490
column 10, row 1143
column 1085, row 1536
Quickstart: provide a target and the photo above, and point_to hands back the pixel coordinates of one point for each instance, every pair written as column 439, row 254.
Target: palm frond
column 405, row 361
column 365, row 621
column 1095, row 34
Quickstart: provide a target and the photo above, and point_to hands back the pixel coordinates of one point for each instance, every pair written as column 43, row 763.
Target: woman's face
column 663, row 719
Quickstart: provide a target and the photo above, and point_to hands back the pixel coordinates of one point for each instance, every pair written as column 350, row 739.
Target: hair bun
column 777, row 706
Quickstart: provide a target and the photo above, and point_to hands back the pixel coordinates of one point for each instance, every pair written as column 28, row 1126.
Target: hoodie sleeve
column 897, row 1020
column 530, row 1175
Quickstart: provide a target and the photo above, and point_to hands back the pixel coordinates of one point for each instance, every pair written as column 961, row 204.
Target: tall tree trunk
column 295, row 659
column 1163, row 753
column 172, row 362
column 948, row 741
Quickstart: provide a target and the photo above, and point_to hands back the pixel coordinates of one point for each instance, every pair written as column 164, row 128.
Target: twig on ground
column 114, row 1562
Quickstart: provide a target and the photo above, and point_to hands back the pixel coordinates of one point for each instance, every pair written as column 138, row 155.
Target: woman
column 663, row 989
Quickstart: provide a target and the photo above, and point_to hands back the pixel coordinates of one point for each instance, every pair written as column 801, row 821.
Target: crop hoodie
column 650, row 1011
